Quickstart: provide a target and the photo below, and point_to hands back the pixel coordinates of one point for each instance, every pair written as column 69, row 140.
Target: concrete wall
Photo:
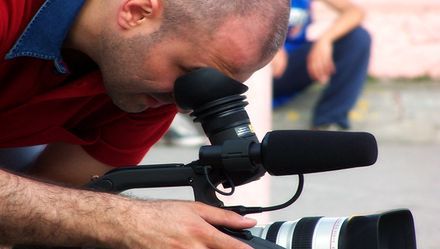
column 406, row 36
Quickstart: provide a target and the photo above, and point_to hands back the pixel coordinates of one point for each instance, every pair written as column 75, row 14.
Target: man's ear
column 135, row 12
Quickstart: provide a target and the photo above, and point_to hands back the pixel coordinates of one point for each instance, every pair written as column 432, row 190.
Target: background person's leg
column 19, row 159
column 351, row 56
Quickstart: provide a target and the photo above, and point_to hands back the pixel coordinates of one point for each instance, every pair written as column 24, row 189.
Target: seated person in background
column 338, row 59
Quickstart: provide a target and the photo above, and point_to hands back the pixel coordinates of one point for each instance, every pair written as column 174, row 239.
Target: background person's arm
column 350, row 16
column 320, row 62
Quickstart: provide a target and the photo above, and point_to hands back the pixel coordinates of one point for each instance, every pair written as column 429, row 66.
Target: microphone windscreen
column 290, row 152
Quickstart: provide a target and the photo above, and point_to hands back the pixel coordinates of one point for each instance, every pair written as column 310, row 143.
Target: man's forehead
column 238, row 49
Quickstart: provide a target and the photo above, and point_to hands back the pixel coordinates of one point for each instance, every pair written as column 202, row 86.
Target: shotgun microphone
column 291, row 152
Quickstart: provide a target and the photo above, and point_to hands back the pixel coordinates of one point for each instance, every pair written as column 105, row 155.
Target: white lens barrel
column 326, row 234
column 285, row 234
column 388, row 230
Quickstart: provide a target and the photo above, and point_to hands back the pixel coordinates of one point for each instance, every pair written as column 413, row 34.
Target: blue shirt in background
column 299, row 20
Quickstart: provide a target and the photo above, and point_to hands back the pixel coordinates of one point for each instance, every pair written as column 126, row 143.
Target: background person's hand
column 320, row 63
column 279, row 63
column 179, row 224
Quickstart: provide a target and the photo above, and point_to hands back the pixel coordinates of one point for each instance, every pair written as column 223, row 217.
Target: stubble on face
column 123, row 71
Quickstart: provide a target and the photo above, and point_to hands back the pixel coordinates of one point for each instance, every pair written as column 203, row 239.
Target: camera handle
column 160, row 175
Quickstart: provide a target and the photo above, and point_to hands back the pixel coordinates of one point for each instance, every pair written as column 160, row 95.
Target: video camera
column 236, row 157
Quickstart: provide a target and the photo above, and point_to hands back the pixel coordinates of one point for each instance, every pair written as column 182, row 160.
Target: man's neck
column 84, row 34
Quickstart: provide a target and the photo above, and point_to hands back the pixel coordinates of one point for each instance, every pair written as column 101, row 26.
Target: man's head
column 143, row 46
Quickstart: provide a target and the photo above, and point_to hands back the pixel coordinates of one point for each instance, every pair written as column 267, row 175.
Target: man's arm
column 36, row 213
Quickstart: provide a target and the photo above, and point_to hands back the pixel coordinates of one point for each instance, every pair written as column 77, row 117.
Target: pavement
column 394, row 111
column 404, row 117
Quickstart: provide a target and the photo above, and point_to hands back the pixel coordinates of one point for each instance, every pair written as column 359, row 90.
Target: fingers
column 222, row 217
column 219, row 240
column 327, row 68
column 320, row 63
column 210, row 236
column 321, row 69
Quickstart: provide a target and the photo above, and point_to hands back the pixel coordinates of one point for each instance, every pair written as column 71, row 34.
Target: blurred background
column 400, row 105
column 406, row 41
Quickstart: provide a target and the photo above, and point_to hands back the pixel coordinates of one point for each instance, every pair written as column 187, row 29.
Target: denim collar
column 46, row 32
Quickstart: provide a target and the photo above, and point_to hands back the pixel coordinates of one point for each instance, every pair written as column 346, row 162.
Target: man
column 51, row 92
column 337, row 59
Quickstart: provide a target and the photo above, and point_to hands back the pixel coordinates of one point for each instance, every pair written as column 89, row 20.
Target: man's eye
column 188, row 69
column 185, row 69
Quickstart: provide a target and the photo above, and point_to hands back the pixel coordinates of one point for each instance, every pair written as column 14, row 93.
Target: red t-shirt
column 40, row 106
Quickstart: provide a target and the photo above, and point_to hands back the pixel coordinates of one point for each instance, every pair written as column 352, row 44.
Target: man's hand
column 320, row 63
column 178, row 224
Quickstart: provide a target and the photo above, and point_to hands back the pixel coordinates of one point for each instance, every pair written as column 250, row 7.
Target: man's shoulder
column 14, row 17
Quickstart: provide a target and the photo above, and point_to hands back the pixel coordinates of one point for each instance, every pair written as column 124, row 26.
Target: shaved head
column 143, row 46
column 206, row 16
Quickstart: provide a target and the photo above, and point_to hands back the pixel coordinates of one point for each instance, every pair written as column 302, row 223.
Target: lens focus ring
column 303, row 235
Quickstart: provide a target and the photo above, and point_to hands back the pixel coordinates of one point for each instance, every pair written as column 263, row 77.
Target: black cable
column 292, row 200
column 252, row 210
column 228, row 178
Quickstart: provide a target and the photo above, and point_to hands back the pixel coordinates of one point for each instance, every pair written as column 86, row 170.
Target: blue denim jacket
column 46, row 32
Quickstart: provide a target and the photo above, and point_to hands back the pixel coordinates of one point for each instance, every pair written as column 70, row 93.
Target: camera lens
column 389, row 230
column 305, row 233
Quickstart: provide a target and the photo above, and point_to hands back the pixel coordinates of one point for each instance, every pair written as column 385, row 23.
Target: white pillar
column 260, row 101
column 260, row 113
